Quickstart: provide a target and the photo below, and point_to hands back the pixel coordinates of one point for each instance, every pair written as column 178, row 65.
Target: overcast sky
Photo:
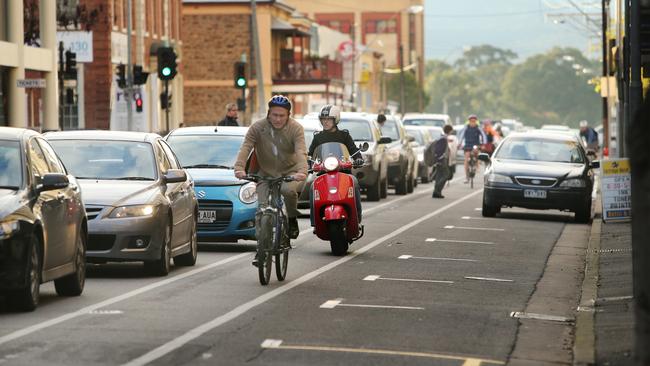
column 523, row 26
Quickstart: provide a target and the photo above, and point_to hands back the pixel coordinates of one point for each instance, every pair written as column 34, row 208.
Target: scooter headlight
column 331, row 164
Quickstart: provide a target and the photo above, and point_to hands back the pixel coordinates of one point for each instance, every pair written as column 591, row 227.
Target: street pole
column 167, row 106
column 257, row 54
column 402, row 107
column 625, row 70
column 605, row 6
column 61, row 99
column 354, row 65
column 129, row 68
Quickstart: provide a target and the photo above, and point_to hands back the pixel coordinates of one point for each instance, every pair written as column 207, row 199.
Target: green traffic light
column 241, row 82
column 166, row 71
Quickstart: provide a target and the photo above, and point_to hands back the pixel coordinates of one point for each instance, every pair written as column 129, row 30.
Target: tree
column 411, row 91
column 485, row 55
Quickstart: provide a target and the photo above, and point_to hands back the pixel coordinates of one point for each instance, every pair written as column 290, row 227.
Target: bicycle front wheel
column 282, row 250
column 264, row 245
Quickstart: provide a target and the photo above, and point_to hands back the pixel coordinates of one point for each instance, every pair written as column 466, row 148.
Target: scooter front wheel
column 338, row 238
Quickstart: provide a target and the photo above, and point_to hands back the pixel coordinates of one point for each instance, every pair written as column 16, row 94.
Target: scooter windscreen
column 334, row 149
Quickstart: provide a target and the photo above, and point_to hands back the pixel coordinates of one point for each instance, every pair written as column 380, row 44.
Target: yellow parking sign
column 616, row 189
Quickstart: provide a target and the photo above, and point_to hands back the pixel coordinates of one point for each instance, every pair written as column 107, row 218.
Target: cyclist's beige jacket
column 279, row 152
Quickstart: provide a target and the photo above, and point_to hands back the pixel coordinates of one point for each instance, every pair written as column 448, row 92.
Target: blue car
column 227, row 205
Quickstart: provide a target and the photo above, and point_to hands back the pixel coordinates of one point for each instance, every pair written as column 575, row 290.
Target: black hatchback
column 539, row 171
column 43, row 226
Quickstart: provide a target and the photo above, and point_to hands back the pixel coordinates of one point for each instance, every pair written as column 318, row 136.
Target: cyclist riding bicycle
column 330, row 116
column 279, row 144
column 471, row 135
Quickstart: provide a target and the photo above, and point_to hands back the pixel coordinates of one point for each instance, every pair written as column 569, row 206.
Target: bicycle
column 473, row 162
column 273, row 240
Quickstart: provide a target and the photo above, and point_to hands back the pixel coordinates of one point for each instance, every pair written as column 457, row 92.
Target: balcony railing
column 309, row 70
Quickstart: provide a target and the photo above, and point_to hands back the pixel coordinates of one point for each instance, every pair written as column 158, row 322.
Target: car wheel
column 425, row 177
column 162, row 266
column 26, row 299
column 489, row 210
column 410, row 185
column 189, row 259
column 374, row 192
column 583, row 214
column 401, row 187
column 384, row 188
column 73, row 284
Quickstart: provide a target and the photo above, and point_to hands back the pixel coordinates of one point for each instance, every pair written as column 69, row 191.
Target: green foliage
column 544, row 89
column 411, row 90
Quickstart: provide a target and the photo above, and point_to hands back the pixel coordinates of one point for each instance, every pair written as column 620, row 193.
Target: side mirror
column 594, row 164
column 484, row 157
column 175, row 176
column 364, row 147
column 410, row 138
column 385, row 140
column 52, row 181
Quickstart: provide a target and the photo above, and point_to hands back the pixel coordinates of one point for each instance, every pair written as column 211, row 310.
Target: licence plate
column 207, row 216
column 535, row 193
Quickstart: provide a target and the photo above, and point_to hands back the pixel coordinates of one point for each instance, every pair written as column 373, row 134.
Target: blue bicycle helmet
column 280, row 101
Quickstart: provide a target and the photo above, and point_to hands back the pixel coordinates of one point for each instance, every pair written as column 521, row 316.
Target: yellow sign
column 616, row 167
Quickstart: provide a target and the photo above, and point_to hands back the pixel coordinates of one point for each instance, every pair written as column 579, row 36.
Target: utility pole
column 354, row 65
column 61, row 98
column 402, row 106
column 129, row 67
column 257, row 54
column 605, row 6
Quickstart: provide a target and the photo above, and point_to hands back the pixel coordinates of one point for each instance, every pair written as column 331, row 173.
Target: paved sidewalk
column 614, row 317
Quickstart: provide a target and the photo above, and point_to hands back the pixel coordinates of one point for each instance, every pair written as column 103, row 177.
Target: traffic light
column 166, row 63
column 121, row 76
column 138, row 103
column 240, row 75
column 139, row 76
column 70, row 64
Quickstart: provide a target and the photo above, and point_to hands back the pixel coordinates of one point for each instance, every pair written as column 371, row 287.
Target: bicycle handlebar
column 257, row 178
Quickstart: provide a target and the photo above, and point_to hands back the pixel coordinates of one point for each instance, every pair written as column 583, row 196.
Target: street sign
column 79, row 42
column 616, row 189
column 30, row 83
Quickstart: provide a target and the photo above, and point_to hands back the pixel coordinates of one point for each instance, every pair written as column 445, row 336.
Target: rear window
column 537, row 149
column 424, row 122
column 359, row 129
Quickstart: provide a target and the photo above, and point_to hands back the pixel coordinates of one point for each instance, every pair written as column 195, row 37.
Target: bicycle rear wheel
column 264, row 245
column 282, row 251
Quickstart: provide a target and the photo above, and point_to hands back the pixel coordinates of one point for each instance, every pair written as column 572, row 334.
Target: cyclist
column 330, row 116
column 279, row 143
column 471, row 135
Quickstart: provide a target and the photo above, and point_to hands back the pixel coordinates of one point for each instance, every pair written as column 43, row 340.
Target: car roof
column 16, row 133
column 310, row 124
column 210, row 130
column 102, row 135
column 548, row 135
column 426, row 116
column 556, row 127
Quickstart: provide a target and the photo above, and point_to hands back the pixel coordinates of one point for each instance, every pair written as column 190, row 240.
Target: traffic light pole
column 61, row 99
column 129, row 68
column 167, row 106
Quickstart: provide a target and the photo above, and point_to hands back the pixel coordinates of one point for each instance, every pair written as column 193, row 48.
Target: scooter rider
column 330, row 116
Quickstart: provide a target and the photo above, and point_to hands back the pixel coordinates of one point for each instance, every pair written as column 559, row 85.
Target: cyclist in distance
column 471, row 135
column 279, row 144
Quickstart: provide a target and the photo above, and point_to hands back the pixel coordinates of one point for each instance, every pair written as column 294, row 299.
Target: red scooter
column 334, row 208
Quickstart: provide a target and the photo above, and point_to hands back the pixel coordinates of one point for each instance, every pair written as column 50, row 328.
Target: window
column 381, row 26
column 170, row 156
column 37, row 161
column 55, row 165
column 163, row 163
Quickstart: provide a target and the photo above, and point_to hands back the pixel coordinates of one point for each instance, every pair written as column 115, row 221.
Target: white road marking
column 472, row 228
column 371, row 278
column 478, row 209
column 84, row 311
column 615, row 298
column 206, row 356
column 106, row 312
column 192, row 334
column 553, row 318
column 331, row 304
column 376, row 277
column 271, row 343
column 381, row 307
column 459, row 241
column 406, row 256
column 488, row 279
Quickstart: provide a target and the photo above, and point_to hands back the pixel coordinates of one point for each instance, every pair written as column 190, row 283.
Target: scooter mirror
column 364, row 147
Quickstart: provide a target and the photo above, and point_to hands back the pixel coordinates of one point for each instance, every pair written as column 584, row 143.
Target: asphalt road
column 431, row 283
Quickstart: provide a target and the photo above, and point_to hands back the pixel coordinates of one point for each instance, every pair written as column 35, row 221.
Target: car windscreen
column 207, row 151
column 359, row 129
column 539, row 149
column 424, row 122
column 417, row 135
column 10, row 165
column 104, row 159
column 389, row 129
column 334, row 149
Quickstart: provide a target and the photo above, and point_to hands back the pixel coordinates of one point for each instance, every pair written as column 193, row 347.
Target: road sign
column 30, row 83
column 616, row 184
column 79, row 42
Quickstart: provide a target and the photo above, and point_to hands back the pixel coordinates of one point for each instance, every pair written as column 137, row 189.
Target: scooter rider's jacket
column 340, row 136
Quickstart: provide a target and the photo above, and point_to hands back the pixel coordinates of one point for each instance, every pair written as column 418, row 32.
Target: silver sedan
column 140, row 203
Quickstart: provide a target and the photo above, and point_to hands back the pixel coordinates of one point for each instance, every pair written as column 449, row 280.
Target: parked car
column 311, row 125
column 539, row 171
column 423, row 139
column 373, row 177
column 402, row 162
column 43, row 227
column 139, row 201
column 426, row 119
column 227, row 205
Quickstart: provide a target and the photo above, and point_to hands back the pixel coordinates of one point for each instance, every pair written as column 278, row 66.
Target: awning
column 282, row 26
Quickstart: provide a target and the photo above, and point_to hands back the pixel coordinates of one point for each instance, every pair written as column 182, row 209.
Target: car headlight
column 393, row 155
column 248, row 193
column 498, row 178
column 331, row 164
column 132, row 211
column 573, row 183
column 8, row 229
column 420, row 157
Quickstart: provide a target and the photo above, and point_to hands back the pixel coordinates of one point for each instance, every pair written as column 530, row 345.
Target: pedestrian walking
column 231, row 116
column 438, row 154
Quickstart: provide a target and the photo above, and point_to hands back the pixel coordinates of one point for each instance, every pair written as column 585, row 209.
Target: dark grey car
column 43, row 228
column 140, row 203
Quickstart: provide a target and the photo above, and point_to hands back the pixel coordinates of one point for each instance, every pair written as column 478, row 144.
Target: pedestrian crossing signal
column 240, row 75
